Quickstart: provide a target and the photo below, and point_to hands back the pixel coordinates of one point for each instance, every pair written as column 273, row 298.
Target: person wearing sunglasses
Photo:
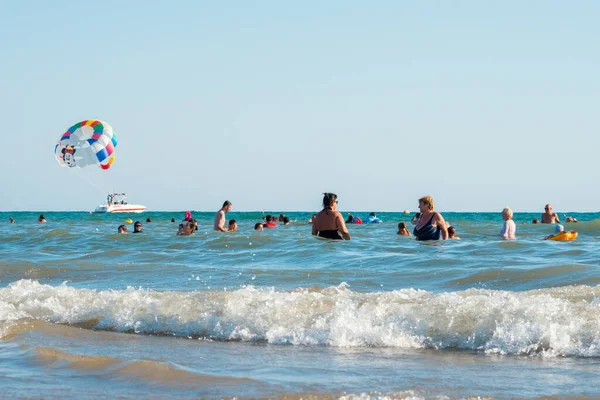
column 329, row 223
column 549, row 217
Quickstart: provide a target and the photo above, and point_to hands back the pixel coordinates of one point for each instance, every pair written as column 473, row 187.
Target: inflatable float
column 563, row 236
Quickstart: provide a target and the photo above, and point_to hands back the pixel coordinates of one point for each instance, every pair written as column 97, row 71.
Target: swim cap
column 559, row 228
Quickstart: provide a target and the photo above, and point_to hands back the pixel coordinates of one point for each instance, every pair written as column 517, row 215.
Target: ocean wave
column 548, row 322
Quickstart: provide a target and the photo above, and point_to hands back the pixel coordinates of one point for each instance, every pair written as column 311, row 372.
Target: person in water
column 329, row 222
column 232, row 225
column 353, row 220
column 187, row 228
column 549, row 217
column 373, row 219
column 269, row 223
column 258, row 226
column 509, row 229
column 535, row 221
column 310, row 221
column 572, row 220
column 219, row 222
column 430, row 224
column 148, row 220
column 285, row 220
column 558, row 229
column 402, row 229
column 12, row 220
column 122, row 229
column 41, row 218
column 173, row 220
column 452, row 233
column 137, row 227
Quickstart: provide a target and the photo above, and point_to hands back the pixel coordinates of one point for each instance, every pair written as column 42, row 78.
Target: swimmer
column 187, row 228
column 258, row 226
column 509, row 229
column 558, row 229
column 269, row 223
column 535, row 221
column 173, row 220
column 402, row 229
column 549, row 217
column 329, row 223
column 122, row 229
column 310, row 221
column 148, row 220
column 187, row 216
column 137, row 227
column 285, row 220
column 233, row 226
column 219, row 222
column 430, row 224
column 12, row 220
column 42, row 218
column 373, row 219
column 452, row 233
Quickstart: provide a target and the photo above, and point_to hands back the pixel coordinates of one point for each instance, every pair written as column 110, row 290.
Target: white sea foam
column 549, row 322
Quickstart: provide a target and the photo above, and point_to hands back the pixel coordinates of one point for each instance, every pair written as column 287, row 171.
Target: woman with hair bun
column 329, row 223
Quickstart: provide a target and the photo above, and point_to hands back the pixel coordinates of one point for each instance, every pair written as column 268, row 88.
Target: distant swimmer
column 187, row 228
column 402, row 229
column 41, row 218
column 572, row 220
column 269, row 223
column 285, row 220
column 122, row 229
column 329, row 223
column 137, row 227
column 373, row 219
column 354, row 220
column 148, row 220
column 452, row 233
column 173, row 220
column 509, row 229
column 233, row 226
column 187, row 216
column 258, row 226
column 219, row 223
column 430, row 224
column 12, row 220
column 549, row 217
column 535, row 221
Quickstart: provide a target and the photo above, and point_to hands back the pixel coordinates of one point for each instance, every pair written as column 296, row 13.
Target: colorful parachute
column 90, row 142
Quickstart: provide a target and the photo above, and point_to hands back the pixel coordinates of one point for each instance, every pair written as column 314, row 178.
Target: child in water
column 452, row 233
column 402, row 229
column 509, row 229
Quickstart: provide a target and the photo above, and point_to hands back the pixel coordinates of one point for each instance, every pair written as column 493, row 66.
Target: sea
column 86, row 312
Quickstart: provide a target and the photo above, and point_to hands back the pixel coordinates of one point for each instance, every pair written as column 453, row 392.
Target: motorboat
column 117, row 203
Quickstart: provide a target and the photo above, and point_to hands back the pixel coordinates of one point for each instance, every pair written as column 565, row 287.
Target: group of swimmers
column 330, row 224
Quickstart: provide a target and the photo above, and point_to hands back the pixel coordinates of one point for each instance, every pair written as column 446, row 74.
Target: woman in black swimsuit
column 431, row 224
column 329, row 223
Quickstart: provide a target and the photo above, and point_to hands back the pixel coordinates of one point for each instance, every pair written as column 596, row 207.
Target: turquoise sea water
column 278, row 312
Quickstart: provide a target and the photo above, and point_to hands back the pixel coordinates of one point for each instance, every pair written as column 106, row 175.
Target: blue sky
column 269, row 104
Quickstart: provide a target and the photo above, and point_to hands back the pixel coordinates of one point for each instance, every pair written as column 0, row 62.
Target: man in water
column 549, row 217
column 219, row 224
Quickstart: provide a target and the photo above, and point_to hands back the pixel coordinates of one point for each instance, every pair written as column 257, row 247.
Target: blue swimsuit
column 427, row 231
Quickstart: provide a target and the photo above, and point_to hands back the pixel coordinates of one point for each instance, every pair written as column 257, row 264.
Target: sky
column 269, row 104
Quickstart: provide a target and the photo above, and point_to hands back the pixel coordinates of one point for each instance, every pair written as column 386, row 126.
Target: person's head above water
column 372, row 214
column 451, row 231
column 330, row 200
column 173, row 220
column 137, row 227
column 426, row 203
column 227, row 206
column 12, row 220
column 401, row 226
column 122, row 229
column 187, row 216
column 148, row 220
column 535, row 221
column 258, row 226
column 233, row 225
column 507, row 213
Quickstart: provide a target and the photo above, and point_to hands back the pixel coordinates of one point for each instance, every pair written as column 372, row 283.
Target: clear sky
column 270, row 103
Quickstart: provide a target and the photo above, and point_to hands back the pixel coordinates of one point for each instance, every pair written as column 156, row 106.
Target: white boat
column 117, row 203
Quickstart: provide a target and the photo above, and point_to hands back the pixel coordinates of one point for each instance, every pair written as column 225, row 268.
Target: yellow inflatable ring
column 564, row 236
